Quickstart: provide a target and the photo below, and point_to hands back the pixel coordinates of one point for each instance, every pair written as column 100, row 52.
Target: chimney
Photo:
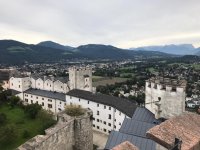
column 52, row 78
column 45, row 77
column 177, row 144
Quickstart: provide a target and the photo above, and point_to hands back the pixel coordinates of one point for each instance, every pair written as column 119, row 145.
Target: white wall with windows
column 39, row 84
column 51, row 104
column 19, row 84
column 106, row 118
column 48, row 85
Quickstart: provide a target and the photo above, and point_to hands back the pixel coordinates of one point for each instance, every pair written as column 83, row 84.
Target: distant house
column 190, row 104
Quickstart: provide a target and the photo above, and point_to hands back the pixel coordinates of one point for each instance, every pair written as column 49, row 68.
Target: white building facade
column 105, row 117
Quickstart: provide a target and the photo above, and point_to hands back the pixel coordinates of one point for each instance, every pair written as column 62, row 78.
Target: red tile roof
column 185, row 127
column 125, row 146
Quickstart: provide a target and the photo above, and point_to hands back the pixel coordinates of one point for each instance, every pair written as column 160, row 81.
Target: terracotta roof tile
column 185, row 127
column 125, row 146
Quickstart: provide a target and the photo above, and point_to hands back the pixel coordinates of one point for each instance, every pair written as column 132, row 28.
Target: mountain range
column 15, row 52
column 182, row 49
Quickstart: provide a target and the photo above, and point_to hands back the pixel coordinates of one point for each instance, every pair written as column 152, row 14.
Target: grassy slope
column 17, row 118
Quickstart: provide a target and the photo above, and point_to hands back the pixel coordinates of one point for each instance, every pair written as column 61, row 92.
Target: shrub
column 74, row 110
column 32, row 110
column 14, row 100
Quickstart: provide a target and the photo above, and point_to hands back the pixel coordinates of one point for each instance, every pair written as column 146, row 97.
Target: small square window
column 97, row 120
column 109, row 116
column 109, row 124
column 97, row 127
column 104, row 122
column 49, row 105
column 97, row 112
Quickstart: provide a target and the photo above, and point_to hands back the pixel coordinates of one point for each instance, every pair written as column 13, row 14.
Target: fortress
column 54, row 94
column 116, row 117
column 79, row 78
column 165, row 97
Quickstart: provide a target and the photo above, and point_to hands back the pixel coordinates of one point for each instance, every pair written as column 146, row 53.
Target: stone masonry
column 70, row 133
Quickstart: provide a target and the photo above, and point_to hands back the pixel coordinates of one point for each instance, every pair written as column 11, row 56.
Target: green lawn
column 127, row 74
column 17, row 118
column 104, row 81
column 152, row 70
column 97, row 78
column 196, row 66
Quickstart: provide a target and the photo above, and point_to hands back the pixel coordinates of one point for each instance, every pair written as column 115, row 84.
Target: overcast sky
column 122, row 23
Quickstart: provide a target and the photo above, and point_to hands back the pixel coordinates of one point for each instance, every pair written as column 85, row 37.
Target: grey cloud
column 76, row 22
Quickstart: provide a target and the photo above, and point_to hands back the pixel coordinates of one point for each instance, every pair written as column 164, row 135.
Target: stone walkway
column 99, row 139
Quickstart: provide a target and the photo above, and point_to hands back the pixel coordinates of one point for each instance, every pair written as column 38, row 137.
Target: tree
column 32, row 110
column 3, row 98
column 47, row 118
column 14, row 100
column 1, row 88
column 3, row 118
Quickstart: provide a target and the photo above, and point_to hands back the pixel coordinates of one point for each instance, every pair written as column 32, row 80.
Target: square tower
column 165, row 97
column 80, row 78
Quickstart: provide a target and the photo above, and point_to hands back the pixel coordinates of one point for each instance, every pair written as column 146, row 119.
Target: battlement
column 167, row 84
column 75, row 68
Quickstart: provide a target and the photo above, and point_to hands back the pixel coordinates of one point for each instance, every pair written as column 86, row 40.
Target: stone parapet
column 70, row 133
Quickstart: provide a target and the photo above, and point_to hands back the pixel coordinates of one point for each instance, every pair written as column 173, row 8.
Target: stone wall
column 70, row 133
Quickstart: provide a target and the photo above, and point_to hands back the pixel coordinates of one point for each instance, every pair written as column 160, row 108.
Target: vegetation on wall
column 74, row 110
